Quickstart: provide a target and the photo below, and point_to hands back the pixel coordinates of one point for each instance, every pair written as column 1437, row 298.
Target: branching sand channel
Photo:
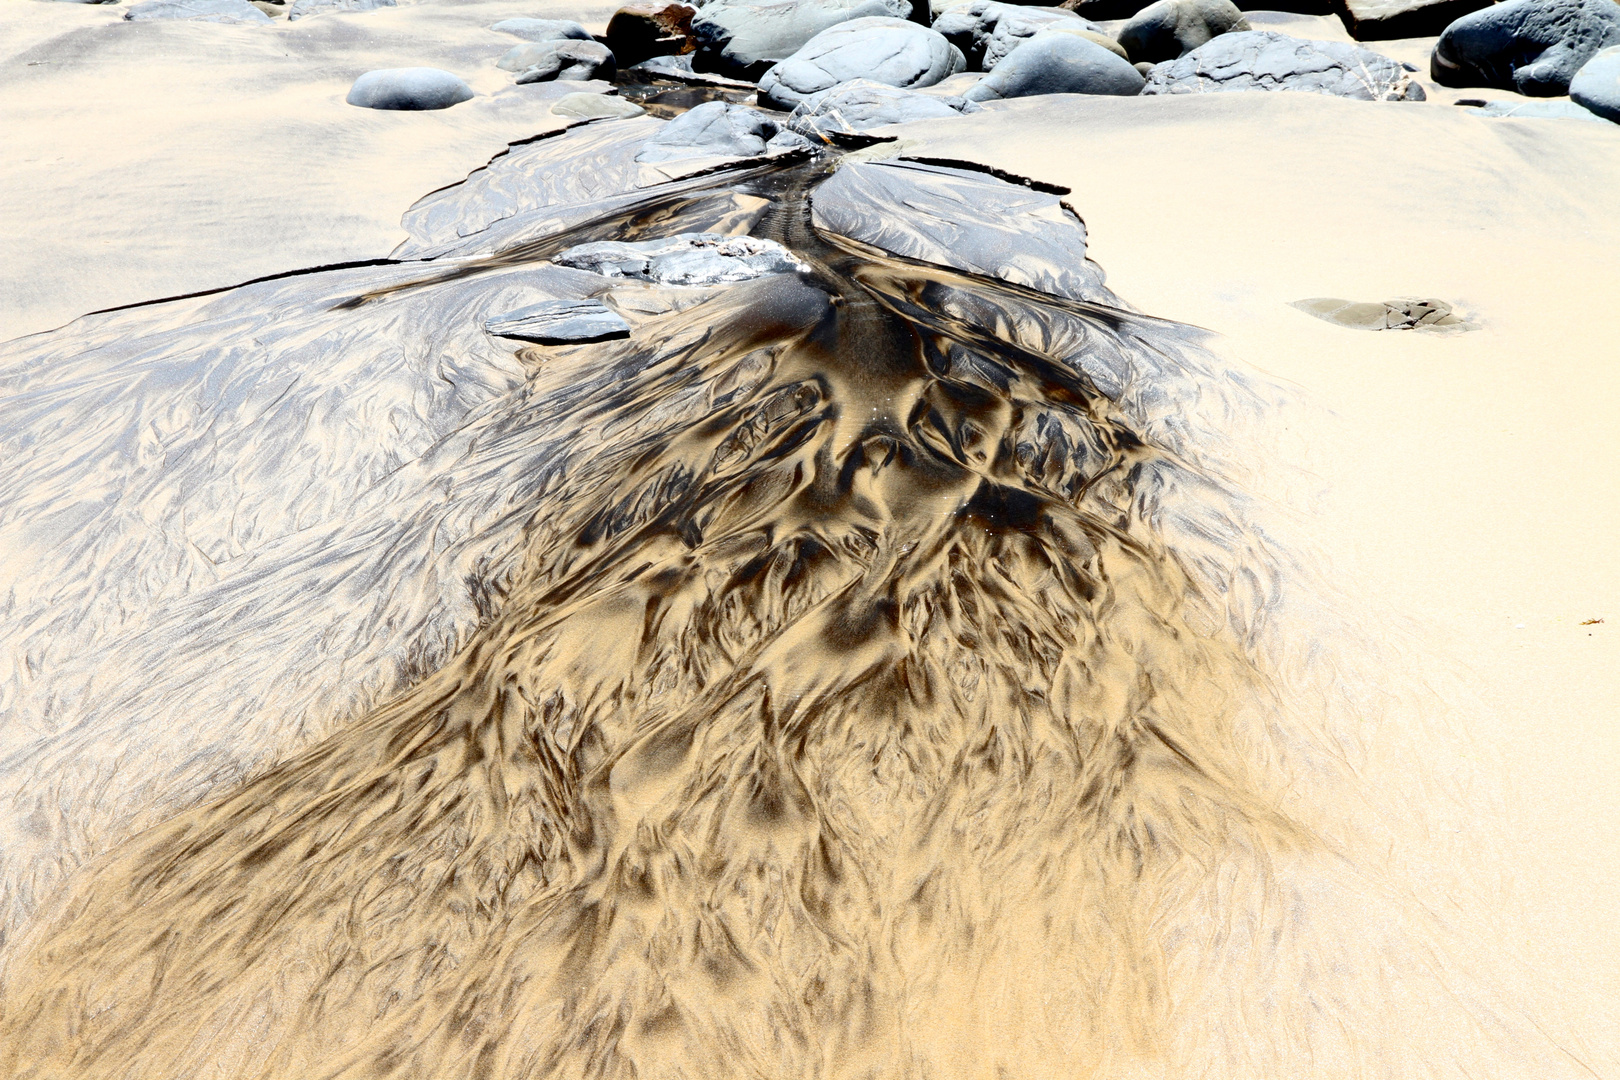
column 873, row 670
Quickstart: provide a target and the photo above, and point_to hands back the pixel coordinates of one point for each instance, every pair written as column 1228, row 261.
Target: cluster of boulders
column 845, row 66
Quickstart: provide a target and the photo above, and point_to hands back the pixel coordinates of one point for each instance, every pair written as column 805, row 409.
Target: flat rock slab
column 1381, row 20
column 303, row 9
column 861, row 105
column 1596, row 86
column 689, row 259
column 560, row 322
column 719, row 129
column 1265, row 60
column 962, row 219
column 1535, row 110
column 1532, row 46
column 214, row 11
column 416, row 89
column 1403, row 313
column 885, row 50
column 743, row 38
column 595, row 107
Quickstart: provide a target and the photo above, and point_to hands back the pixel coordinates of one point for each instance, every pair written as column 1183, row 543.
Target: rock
column 679, row 69
column 305, row 8
column 1054, row 62
column 1019, row 25
column 889, row 51
column 688, row 259
column 560, row 322
column 408, row 89
column 639, row 32
column 971, row 26
column 1532, row 46
column 1264, row 60
column 569, row 61
column 557, row 56
column 743, row 38
column 1596, row 86
column 543, row 29
column 1403, row 313
column 214, row 11
column 861, row 104
column 1536, row 110
column 962, row 219
column 1380, row 20
column 1171, row 28
column 714, row 129
column 595, row 107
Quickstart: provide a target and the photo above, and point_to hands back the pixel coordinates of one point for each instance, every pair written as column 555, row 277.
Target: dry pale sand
column 1470, row 480
column 1463, row 484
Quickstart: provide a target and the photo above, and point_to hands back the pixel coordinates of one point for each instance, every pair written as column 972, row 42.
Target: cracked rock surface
column 687, row 259
column 559, row 322
column 861, row 104
column 885, row 50
column 1265, row 60
column 1532, row 46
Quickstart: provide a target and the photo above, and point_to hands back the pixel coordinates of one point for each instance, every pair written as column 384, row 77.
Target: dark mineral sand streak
column 849, row 718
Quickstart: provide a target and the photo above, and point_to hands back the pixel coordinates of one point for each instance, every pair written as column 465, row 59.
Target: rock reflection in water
column 874, row 671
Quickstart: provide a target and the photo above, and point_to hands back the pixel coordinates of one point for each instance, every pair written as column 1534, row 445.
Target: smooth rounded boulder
column 1171, row 28
column 1054, row 62
column 1019, row 25
column 889, row 51
column 417, row 89
column 971, row 26
column 638, row 32
column 743, row 38
column 1596, row 86
column 1264, row 60
column 1532, row 46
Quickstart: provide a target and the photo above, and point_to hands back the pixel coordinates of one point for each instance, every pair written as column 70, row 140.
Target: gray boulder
column 560, row 322
column 1264, row 60
column 1532, row 46
column 861, row 104
column 543, row 29
column 1054, row 62
column 961, row 219
column 1596, row 86
column 302, row 9
column 687, row 259
column 1171, row 28
column 718, row 129
column 889, row 51
column 1019, row 25
column 408, row 89
column 743, row 38
column 971, row 26
column 567, row 60
column 214, row 11
column 1380, row 20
